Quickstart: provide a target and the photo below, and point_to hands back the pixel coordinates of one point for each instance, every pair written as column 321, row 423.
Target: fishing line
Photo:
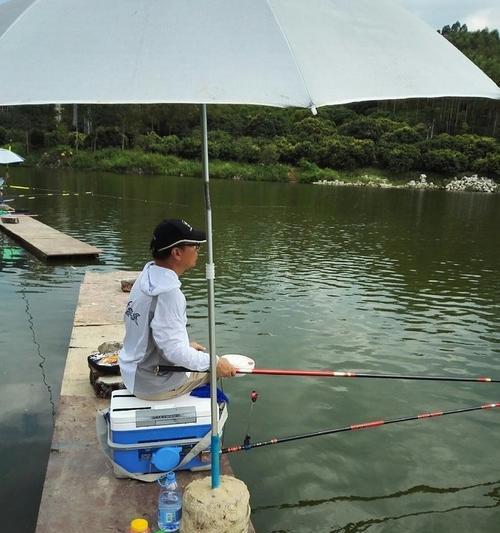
column 60, row 192
column 254, row 396
column 42, row 358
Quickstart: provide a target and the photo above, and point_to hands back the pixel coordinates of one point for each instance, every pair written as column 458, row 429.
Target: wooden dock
column 47, row 242
column 81, row 492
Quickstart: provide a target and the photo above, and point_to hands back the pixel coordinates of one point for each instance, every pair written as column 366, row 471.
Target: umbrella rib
column 289, row 46
column 18, row 17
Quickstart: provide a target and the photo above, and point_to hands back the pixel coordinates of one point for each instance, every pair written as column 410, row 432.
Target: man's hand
column 197, row 346
column 225, row 369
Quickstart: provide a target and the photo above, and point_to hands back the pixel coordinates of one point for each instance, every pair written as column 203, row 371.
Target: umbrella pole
column 210, row 271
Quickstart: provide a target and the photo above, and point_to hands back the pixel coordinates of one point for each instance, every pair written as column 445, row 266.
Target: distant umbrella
column 7, row 157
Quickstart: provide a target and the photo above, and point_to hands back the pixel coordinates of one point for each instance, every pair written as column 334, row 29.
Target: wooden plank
column 47, row 242
column 80, row 489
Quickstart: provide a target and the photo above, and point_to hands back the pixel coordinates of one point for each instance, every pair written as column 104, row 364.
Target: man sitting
column 155, row 321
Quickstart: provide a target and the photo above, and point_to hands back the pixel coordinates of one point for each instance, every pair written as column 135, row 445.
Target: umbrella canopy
column 271, row 52
column 7, row 157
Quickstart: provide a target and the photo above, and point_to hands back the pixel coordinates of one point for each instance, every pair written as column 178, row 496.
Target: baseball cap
column 173, row 232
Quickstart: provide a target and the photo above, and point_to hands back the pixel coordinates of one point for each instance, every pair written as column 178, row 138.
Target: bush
column 78, row 140
column 445, row 160
column 109, row 137
column 304, row 150
column 267, row 123
column 57, row 137
column 3, row 136
column 345, row 152
column 221, row 145
column 312, row 129
column 231, row 170
column 368, row 128
column 190, row 147
column 401, row 158
column 152, row 142
column 57, row 157
column 489, row 165
column 269, row 154
column 246, row 150
column 404, row 135
column 285, row 149
column 471, row 146
column 309, row 172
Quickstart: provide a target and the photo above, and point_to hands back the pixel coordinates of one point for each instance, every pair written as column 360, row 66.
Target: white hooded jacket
column 155, row 334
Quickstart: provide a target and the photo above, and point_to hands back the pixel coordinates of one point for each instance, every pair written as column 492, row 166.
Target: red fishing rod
column 355, row 427
column 336, row 374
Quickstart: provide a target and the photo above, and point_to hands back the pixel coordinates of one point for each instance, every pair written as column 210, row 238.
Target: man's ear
column 175, row 253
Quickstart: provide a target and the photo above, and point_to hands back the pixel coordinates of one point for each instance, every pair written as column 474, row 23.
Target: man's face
column 188, row 256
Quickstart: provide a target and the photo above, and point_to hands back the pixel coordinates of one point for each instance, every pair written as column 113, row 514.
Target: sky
column 477, row 14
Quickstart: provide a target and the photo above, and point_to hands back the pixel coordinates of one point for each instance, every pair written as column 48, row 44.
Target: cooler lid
column 127, row 411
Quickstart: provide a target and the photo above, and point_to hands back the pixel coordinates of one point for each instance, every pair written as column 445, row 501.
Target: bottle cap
column 139, row 525
column 167, row 480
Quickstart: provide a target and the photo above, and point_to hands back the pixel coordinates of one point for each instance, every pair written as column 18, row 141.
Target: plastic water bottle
column 169, row 504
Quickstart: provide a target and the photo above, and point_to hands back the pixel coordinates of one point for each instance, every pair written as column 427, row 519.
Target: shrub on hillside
column 471, row 146
column 304, row 150
column 269, row 154
column 404, row 135
column 267, row 123
column 402, row 158
column 152, row 142
column 312, row 129
column 345, row 152
column 190, row 147
column 444, row 160
column 246, row 150
column 489, row 166
column 368, row 127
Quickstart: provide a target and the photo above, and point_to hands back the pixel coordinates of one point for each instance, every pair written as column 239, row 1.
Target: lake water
column 386, row 281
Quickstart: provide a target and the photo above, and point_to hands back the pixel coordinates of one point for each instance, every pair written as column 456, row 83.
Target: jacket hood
column 155, row 280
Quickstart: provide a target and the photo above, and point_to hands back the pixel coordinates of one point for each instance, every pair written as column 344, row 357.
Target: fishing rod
column 354, row 427
column 335, row 374
column 245, row 365
column 58, row 192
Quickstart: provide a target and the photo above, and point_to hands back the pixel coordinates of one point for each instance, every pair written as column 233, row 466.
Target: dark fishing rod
column 335, row 374
column 355, row 427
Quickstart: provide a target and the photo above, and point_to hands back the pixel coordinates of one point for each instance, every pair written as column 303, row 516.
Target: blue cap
column 166, row 458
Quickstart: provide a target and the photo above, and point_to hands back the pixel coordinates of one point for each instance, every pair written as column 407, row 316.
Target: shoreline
column 136, row 162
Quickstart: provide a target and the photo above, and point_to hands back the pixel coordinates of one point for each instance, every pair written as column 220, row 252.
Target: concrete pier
column 80, row 491
column 47, row 242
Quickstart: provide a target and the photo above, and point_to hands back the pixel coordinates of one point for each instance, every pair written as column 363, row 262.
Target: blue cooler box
column 153, row 436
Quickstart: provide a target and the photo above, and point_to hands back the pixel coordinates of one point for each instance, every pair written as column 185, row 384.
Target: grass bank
column 145, row 163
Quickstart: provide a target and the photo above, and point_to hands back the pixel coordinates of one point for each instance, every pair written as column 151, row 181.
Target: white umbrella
column 7, row 157
column 270, row 52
